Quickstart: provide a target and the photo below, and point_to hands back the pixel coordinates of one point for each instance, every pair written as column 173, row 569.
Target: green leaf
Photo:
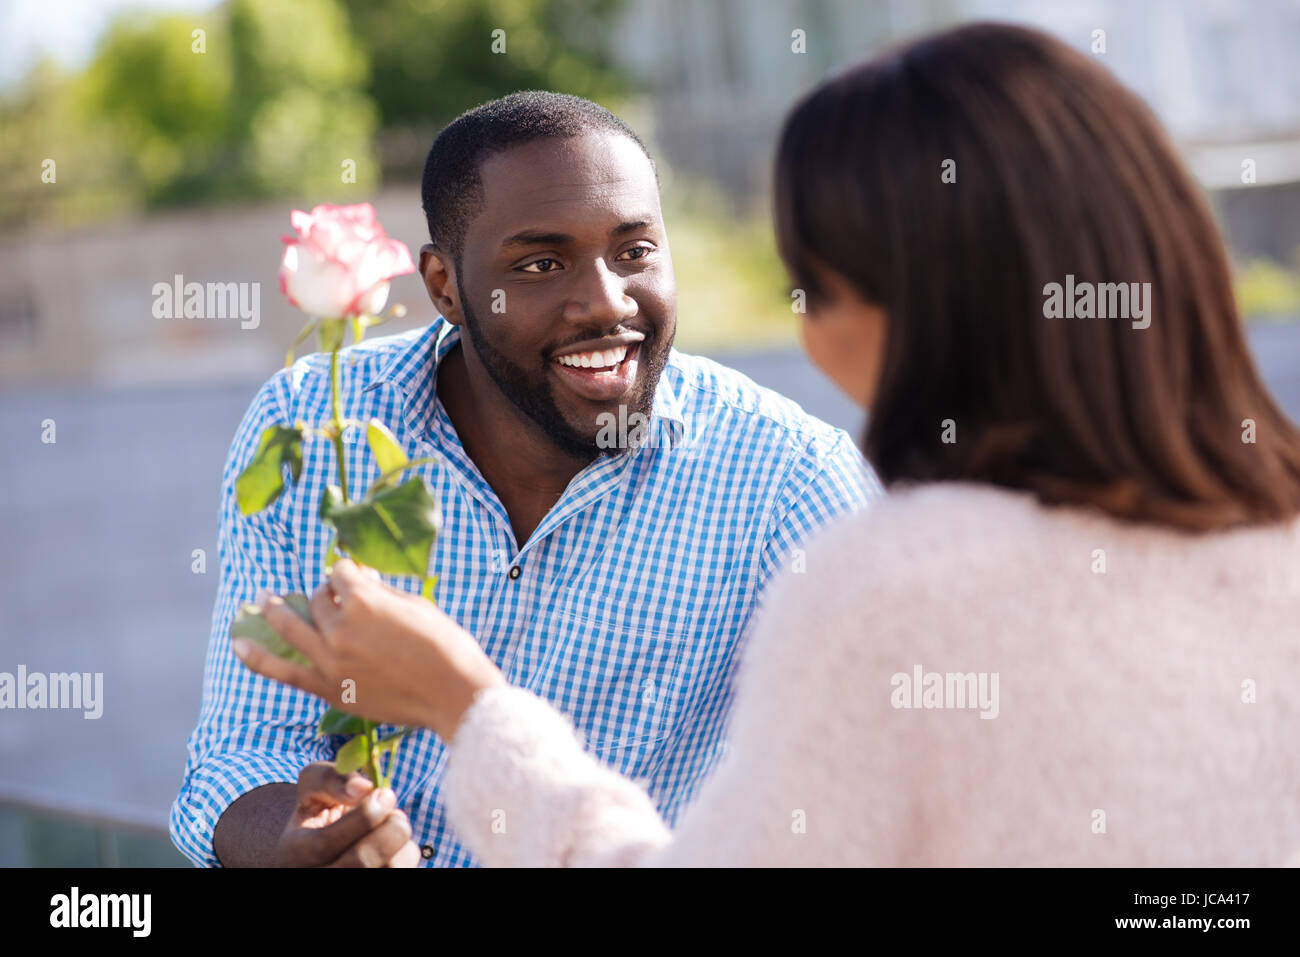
column 262, row 482
column 352, row 756
column 330, row 501
column 249, row 623
column 389, row 479
column 335, row 721
column 332, row 554
column 393, row 532
column 383, row 444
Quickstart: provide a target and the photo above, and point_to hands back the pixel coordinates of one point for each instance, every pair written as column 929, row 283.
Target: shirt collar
column 413, row 371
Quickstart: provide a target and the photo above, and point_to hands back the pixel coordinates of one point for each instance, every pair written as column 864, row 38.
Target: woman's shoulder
column 910, row 562
column 967, row 521
column 916, row 528
column 942, row 550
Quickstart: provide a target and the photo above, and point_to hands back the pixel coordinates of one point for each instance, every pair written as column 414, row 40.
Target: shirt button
column 427, row 851
column 515, row 572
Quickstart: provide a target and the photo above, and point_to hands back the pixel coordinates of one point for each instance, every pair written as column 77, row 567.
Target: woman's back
column 965, row 677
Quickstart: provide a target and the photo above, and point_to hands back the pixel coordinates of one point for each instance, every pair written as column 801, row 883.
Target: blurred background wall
column 144, row 141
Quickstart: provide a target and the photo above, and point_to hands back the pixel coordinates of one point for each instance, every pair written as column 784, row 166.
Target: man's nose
column 599, row 297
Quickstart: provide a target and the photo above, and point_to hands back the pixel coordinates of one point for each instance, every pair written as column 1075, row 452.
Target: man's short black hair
column 452, row 188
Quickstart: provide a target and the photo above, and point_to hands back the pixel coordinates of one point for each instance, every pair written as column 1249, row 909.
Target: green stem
column 306, row 331
column 338, row 423
column 371, row 766
column 428, row 588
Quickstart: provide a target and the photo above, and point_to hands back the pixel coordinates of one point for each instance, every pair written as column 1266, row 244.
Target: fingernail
column 241, row 647
column 387, row 798
column 358, row 786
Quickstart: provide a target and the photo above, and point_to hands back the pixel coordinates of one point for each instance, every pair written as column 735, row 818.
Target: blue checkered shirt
column 626, row 609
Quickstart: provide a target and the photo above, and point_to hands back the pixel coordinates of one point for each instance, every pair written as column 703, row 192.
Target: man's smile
column 599, row 375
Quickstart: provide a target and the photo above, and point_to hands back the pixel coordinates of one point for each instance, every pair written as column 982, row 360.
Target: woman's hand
column 408, row 662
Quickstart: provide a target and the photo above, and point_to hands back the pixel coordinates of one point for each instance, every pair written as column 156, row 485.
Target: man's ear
column 440, row 281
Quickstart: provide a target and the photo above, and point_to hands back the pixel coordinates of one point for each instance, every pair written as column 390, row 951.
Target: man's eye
column 539, row 263
column 643, row 250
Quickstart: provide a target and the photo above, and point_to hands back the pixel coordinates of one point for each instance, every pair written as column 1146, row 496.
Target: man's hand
column 344, row 822
column 409, row 662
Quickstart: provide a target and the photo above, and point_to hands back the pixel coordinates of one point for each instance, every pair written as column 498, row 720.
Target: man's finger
column 323, row 609
column 346, row 576
column 319, row 781
column 276, row 668
column 333, row 840
column 408, row 856
column 289, row 625
column 378, row 847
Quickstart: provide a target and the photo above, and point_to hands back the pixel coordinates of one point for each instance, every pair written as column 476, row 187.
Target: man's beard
column 534, row 398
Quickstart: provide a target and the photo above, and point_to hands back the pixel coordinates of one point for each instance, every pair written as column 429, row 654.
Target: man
column 612, row 509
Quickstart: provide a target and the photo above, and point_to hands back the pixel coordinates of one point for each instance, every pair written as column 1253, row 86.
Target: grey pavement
column 97, row 536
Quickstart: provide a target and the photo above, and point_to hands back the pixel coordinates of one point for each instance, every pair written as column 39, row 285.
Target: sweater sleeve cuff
column 521, row 791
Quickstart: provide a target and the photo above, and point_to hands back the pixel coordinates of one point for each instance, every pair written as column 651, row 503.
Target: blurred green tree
column 299, row 109
column 433, row 59
column 254, row 98
column 166, row 104
column 261, row 98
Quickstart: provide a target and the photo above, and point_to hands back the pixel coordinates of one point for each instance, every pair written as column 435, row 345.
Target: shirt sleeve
column 251, row 731
column 823, row 485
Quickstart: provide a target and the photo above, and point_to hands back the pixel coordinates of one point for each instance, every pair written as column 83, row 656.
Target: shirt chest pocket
column 622, row 688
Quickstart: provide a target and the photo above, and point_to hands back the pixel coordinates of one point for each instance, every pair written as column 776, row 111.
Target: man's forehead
column 546, row 177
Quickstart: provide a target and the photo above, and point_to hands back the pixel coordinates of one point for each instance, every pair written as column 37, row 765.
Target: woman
column 1066, row 637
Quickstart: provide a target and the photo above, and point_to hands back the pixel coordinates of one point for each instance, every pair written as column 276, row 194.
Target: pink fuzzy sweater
column 961, row 676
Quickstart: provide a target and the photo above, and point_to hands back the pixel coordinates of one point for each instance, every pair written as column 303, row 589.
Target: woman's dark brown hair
column 1059, row 171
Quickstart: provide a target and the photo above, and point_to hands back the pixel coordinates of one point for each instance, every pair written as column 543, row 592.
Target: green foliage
column 383, row 446
column 732, row 290
column 167, row 104
column 432, row 59
column 391, row 531
column 262, row 480
column 299, row 102
column 335, row 721
column 272, row 104
column 353, row 755
column 283, row 93
column 1268, row 289
column 47, row 120
column 250, row 624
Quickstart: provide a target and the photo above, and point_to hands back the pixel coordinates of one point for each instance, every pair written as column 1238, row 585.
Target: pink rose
column 340, row 262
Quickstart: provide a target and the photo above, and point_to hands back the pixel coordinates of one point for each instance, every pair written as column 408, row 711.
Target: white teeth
column 595, row 360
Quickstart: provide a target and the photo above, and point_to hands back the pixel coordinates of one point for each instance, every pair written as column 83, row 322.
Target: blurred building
column 1223, row 76
column 78, row 306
